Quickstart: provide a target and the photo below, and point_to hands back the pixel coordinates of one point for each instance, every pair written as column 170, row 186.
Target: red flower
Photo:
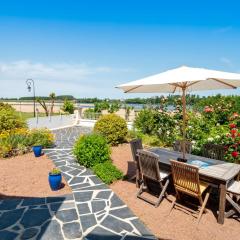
column 234, row 154
column 225, row 147
column 234, row 131
column 232, row 125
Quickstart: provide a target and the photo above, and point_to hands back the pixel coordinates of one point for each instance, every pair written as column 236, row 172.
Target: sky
column 86, row 48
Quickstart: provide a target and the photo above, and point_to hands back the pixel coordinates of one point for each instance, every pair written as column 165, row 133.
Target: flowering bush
column 20, row 141
column 232, row 141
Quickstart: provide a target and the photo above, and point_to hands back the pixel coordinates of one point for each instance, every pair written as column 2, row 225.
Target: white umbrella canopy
column 195, row 79
column 182, row 79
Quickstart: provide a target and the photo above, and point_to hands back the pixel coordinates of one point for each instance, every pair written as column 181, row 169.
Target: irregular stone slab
column 9, row 218
column 29, row 233
column 7, row 235
column 72, row 230
column 98, row 206
column 60, row 206
column 88, row 172
column 67, row 215
column 135, row 237
column 80, row 186
column 115, row 224
column 9, row 204
column 116, row 202
column 104, row 194
column 35, row 217
column 66, row 177
column 99, row 233
column 83, row 196
column 97, row 187
column 74, row 172
column 59, row 198
column 95, row 180
column 65, row 168
column 83, row 208
column 142, row 228
column 87, row 221
column 122, row 213
column 33, row 201
column 50, row 230
column 77, row 180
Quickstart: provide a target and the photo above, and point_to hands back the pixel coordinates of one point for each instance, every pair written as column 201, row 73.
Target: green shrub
column 9, row 119
column 91, row 150
column 107, row 172
column 146, row 121
column 68, row 106
column 112, row 127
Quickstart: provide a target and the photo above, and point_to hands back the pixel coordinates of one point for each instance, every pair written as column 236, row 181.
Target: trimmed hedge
column 91, row 150
column 112, row 127
column 107, row 172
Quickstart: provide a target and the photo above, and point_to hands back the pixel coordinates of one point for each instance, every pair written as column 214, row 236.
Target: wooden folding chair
column 136, row 145
column 186, row 181
column 214, row 151
column 149, row 166
column 178, row 146
column 233, row 197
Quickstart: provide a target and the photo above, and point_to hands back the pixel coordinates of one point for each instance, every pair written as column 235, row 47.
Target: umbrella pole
column 184, row 120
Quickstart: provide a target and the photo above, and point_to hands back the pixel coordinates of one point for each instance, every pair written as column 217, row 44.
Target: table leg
column 222, row 203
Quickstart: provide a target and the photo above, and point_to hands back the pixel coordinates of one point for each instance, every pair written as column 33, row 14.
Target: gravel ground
column 27, row 176
column 179, row 225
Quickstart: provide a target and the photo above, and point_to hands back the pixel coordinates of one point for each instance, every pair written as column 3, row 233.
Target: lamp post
column 30, row 85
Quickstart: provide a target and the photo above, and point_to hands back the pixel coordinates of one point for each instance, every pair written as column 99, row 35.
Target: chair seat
column 234, row 187
column 164, row 174
column 203, row 186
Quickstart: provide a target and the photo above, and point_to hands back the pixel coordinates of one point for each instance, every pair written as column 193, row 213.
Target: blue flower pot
column 55, row 181
column 37, row 151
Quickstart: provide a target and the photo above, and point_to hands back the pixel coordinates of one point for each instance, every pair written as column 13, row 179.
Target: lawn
column 27, row 115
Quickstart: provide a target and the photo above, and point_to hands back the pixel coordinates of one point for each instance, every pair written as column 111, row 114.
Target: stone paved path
column 92, row 212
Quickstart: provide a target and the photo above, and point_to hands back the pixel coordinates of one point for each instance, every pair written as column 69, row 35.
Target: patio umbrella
column 182, row 79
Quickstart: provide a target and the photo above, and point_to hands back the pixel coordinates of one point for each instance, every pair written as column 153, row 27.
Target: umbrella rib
column 222, row 82
column 132, row 89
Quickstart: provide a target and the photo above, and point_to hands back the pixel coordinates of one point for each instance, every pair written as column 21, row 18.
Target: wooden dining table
column 217, row 173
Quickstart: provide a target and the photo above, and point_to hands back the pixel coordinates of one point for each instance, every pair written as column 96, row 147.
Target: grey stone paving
column 92, row 211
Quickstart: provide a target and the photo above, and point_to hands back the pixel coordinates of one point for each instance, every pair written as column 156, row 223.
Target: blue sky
column 85, row 48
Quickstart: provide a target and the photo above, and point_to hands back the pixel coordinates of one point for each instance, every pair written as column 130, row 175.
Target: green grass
column 27, row 115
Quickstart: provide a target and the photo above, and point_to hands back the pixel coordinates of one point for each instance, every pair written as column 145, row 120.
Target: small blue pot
column 55, row 181
column 37, row 151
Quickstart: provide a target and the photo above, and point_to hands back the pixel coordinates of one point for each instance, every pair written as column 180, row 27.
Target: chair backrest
column 136, row 144
column 185, row 177
column 149, row 165
column 213, row 151
column 178, row 146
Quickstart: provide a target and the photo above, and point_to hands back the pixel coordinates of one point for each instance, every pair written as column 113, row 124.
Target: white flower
column 193, row 142
column 210, row 139
column 217, row 136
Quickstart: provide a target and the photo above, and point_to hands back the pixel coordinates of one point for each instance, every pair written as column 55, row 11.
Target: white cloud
column 57, row 71
column 62, row 78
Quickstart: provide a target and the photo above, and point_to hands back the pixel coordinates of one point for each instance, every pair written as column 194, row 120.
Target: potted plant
column 37, row 149
column 55, row 179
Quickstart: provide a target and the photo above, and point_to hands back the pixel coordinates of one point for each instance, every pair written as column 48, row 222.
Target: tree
column 68, row 106
column 52, row 97
column 43, row 104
